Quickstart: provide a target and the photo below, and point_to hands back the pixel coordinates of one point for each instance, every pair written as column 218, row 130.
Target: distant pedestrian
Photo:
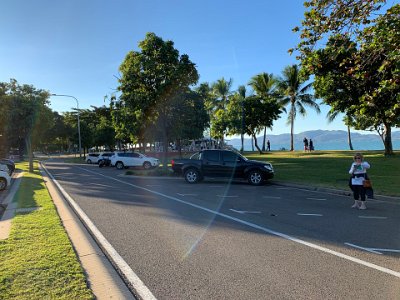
column 268, row 146
column 305, row 142
column 311, row 145
column 358, row 173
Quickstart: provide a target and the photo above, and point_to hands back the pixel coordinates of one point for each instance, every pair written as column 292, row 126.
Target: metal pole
column 242, row 135
column 79, row 123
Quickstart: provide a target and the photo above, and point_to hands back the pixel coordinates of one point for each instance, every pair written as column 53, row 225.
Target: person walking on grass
column 358, row 171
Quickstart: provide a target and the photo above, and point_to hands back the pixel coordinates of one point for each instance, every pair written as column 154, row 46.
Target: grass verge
column 330, row 168
column 37, row 261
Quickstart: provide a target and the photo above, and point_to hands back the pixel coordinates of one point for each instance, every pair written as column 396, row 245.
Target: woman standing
column 358, row 172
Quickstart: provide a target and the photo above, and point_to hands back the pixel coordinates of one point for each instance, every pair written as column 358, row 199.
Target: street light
column 79, row 123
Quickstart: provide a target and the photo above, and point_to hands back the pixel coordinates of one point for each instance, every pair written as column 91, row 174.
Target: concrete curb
column 103, row 279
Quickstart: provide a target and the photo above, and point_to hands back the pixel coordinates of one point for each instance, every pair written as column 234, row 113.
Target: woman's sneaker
column 362, row 206
column 355, row 205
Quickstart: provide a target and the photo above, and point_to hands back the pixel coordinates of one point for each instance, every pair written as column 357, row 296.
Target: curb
column 102, row 278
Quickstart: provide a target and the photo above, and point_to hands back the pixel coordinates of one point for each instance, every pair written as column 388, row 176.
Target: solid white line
column 372, row 217
column 133, row 279
column 255, row 226
column 317, row 199
column 312, row 215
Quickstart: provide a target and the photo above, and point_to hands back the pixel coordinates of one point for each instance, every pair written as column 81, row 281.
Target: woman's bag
column 367, row 183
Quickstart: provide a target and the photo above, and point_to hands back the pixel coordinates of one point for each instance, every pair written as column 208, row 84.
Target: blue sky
column 75, row 47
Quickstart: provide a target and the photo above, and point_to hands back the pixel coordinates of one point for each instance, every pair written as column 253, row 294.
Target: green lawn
column 37, row 261
column 330, row 168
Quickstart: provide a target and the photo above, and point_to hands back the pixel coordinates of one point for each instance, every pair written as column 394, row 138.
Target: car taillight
column 172, row 163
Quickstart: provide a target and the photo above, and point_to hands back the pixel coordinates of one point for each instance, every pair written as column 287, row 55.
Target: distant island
column 323, row 140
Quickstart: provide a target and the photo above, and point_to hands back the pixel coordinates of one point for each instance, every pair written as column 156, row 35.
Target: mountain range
column 322, row 139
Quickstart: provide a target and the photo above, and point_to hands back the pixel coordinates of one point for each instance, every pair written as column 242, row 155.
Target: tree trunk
column 265, row 136
column 349, row 138
column 256, row 144
column 291, row 127
column 388, row 140
column 28, row 145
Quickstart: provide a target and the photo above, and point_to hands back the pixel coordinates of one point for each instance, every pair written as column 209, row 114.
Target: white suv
column 5, row 179
column 133, row 159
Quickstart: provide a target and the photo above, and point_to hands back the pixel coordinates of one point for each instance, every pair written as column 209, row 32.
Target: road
column 216, row 240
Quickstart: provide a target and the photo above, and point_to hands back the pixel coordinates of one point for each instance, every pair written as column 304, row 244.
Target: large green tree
column 150, row 79
column 294, row 92
column 23, row 115
column 358, row 74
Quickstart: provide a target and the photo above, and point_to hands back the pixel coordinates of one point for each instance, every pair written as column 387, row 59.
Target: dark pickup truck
column 222, row 163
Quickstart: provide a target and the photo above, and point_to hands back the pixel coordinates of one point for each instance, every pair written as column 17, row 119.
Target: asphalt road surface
column 221, row 240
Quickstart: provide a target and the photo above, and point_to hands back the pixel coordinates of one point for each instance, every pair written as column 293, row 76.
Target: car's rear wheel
column 255, row 177
column 146, row 165
column 119, row 165
column 3, row 184
column 192, row 176
column 89, row 161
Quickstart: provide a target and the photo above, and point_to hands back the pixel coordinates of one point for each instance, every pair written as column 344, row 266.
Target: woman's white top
column 358, row 170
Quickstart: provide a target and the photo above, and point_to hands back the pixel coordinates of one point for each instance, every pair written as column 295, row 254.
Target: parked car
column 133, row 159
column 104, row 156
column 92, row 158
column 5, row 180
column 222, row 163
column 9, row 163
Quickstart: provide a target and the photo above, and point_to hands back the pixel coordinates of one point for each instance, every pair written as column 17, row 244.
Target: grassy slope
column 37, row 261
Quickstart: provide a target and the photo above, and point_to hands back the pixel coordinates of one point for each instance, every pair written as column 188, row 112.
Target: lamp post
column 79, row 123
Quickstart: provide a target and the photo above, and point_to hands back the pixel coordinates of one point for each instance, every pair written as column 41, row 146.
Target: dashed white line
column 272, row 197
column 310, row 215
column 317, row 199
column 183, row 195
column 223, row 196
column 245, row 211
column 372, row 217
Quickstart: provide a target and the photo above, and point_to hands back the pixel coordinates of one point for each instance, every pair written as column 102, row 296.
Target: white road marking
column 183, row 195
column 373, row 250
column 311, row 215
column 372, row 217
column 272, row 197
column 362, row 248
column 131, row 276
column 317, row 199
column 245, row 211
column 223, row 196
column 263, row 229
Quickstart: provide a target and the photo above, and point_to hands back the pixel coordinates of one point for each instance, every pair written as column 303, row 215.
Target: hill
column 323, row 140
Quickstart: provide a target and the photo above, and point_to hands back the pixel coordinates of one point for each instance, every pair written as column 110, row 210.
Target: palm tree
column 347, row 119
column 242, row 97
column 221, row 90
column 263, row 85
column 293, row 92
